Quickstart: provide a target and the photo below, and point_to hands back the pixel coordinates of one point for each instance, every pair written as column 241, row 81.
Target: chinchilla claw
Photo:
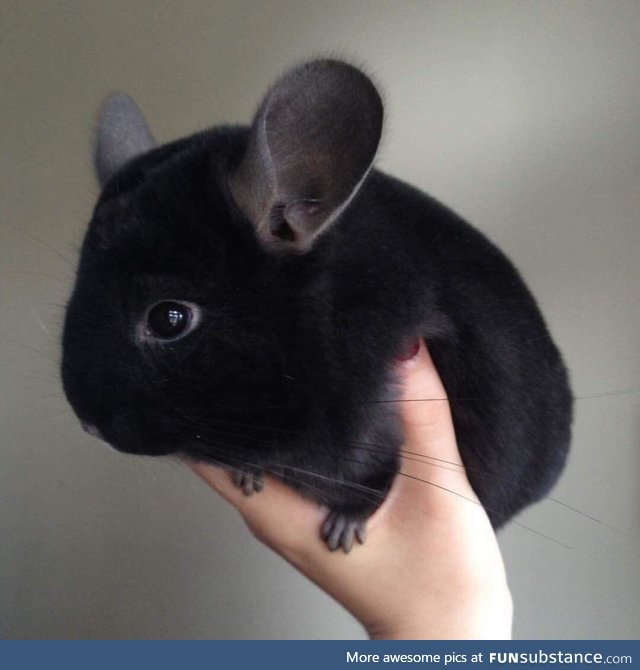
column 340, row 529
column 250, row 481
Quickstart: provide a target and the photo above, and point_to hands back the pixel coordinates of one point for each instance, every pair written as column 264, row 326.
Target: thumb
column 431, row 471
column 425, row 409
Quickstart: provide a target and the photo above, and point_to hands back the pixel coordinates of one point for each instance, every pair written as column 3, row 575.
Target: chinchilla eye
column 169, row 320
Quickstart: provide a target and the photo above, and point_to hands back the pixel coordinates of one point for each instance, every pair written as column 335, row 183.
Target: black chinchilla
column 242, row 295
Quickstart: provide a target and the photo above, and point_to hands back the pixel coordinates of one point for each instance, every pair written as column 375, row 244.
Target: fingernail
column 409, row 351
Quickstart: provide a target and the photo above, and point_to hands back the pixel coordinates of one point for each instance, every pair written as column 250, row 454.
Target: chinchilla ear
column 311, row 144
column 122, row 134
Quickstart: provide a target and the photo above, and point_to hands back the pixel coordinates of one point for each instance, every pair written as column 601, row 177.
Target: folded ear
column 122, row 134
column 311, row 144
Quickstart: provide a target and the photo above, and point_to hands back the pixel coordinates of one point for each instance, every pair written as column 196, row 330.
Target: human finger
column 278, row 516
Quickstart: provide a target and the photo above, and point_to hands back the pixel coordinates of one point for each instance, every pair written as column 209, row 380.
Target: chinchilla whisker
column 426, row 481
column 443, row 463
column 44, row 243
column 609, row 394
column 301, row 482
column 286, row 406
column 224, row 434
column 528, row 528
column 352, row 460
column 45, row 355
column 477, row 502
column 28, row 375
column 378, row 496
column 595, row 396
column 286, row 468
column 410, row 455
column 414, row 456
column 401, row 400
column 383, row 496
column 63, row 279
column 61, row 412
column 42, row 325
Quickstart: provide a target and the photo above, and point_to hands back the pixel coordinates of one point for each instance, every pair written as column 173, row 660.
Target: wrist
column 487, row 615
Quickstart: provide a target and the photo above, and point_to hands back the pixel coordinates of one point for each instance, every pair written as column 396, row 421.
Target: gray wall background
column 522, row 116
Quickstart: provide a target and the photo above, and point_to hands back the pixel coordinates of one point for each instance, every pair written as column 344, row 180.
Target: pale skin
column 431, row 567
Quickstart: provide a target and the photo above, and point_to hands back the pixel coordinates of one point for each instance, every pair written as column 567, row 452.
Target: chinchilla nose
column 92, row 430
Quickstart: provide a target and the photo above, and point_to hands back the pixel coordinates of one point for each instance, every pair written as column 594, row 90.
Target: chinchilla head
column 201, row 301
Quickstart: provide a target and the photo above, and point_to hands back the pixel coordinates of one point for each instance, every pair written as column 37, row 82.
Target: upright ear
column 122, row 134
column 311, row 144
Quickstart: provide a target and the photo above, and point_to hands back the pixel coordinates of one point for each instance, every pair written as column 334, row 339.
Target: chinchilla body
column 243, row 294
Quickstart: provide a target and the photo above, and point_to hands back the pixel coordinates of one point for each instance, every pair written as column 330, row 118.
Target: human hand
column 431, row 567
